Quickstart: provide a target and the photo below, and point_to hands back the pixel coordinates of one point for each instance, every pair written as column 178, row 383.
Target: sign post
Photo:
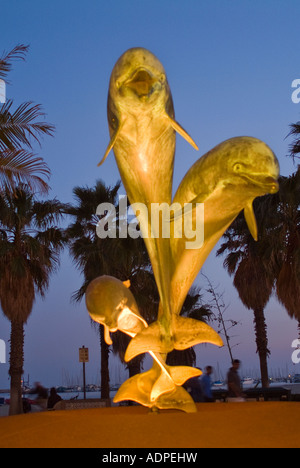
column 84, row 357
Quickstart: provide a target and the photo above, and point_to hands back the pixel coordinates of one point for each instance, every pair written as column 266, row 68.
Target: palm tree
column 91, row 254
column 18, row 130
column 288, row 281
column 285, row 242
column 252, row 265
column 124, row 258
column 286, row 236
column 295, row 145
column 30, row 243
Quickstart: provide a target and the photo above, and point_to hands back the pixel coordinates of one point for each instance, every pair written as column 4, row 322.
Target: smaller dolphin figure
column 110, row 303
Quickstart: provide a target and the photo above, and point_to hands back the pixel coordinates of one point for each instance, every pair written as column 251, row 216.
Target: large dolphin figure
column 226, row 180
column 142, row 128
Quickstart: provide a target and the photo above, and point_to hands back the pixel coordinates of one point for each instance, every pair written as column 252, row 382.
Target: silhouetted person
column 40, row 391
column 193, row 387
column 53, row 399
column 235, row 392
column 206, row 385
column 42, row 395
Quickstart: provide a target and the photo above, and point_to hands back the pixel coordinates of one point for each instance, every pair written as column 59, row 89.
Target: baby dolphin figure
column 142, row 129
column 111, row 303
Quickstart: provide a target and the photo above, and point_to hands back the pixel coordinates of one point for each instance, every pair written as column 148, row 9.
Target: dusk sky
column 230, row 65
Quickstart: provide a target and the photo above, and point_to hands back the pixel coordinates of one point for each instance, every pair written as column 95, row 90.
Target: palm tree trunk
column 262, row 344
column 16, row 366
column 134, row 366
column 104, row 365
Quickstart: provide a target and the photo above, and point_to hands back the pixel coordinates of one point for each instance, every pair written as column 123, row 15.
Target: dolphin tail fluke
column 179, row 399
column 146, row 388
column 190, row 332
column 137, row 388
column 164, row 384
column 172, row 376
column 180, row 374
column 152, row 338
column 155, row 390
column 186, row 332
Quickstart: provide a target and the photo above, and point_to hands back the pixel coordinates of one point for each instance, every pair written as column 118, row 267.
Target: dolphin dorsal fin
column 127, row 283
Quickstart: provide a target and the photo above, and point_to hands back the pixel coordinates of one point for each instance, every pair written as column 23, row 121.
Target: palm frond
column 20, row 166
column 294, row 147
column 19, row 127
column 17, row 53
column 49, row 212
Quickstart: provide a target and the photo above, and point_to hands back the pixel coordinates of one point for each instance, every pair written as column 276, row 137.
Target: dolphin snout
column 272, row 184
column 268, row 183
column 141, row 82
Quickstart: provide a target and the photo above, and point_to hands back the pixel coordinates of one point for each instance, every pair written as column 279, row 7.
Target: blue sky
column 230, row 65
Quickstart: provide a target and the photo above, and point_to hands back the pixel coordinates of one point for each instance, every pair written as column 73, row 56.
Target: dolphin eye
column 162, row 78
column 237, row 167
column 113, row 121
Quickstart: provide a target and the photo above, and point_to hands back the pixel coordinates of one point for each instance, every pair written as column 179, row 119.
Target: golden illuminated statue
column 224, row 182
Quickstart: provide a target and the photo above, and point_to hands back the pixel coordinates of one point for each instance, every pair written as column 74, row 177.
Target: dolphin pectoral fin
column 110, row 145
column 107, row 337
column 178, row 128
column 190, row 332
column 108, row 150
column 150, row 339
column 251, row 220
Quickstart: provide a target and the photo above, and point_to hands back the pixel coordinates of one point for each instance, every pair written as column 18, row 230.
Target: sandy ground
column 248, row 425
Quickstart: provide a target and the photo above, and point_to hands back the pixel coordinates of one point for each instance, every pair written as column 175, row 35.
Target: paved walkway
column 254, row 425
